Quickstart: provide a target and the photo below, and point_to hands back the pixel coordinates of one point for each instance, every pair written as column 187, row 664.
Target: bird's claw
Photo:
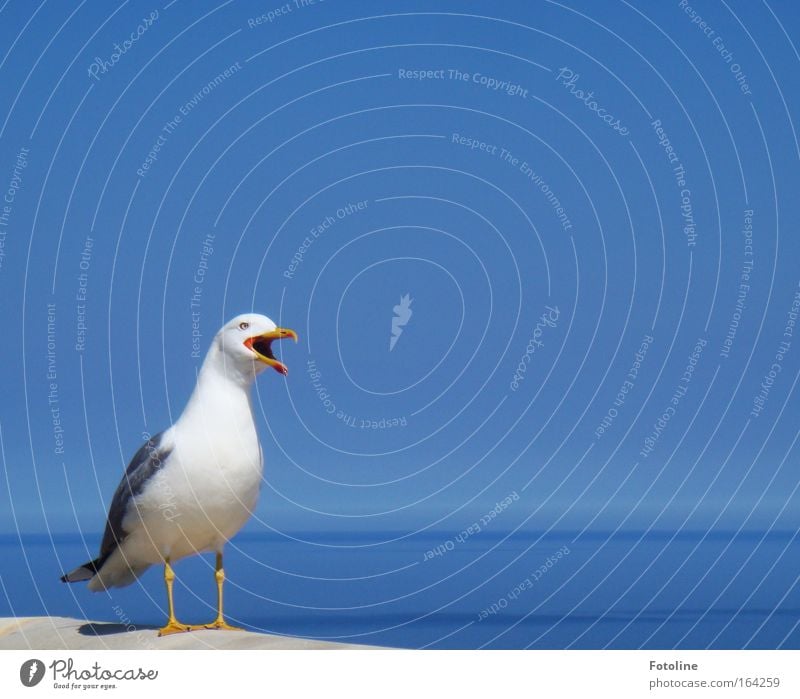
column 220, row 625
column 173, row 627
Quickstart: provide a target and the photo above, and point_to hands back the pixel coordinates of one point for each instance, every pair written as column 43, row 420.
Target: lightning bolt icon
column 402, row 314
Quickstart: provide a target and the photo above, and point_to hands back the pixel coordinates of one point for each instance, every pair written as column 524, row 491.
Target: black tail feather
column 85, row 571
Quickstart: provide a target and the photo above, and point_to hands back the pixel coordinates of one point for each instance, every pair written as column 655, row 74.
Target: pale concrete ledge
column 61, row 633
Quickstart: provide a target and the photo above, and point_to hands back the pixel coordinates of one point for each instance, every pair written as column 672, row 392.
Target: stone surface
column 57, row 633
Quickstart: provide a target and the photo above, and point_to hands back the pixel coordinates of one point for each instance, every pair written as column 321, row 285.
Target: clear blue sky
column 181, row 173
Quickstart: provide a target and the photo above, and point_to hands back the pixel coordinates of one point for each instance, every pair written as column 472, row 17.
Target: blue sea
column 562, row 590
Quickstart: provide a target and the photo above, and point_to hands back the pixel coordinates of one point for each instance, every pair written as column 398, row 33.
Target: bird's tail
column 85, row 571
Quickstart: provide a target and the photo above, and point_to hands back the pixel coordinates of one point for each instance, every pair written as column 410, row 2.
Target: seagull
column 190, row 488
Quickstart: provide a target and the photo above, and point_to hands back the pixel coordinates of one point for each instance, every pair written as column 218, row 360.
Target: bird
column 191, row 488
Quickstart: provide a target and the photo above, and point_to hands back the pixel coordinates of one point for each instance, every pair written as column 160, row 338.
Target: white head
column 244, row 345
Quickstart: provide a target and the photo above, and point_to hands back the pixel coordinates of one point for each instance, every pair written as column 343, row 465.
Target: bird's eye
column 244, row 326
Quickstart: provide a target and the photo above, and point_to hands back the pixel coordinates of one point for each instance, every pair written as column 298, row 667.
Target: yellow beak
column 261, row 346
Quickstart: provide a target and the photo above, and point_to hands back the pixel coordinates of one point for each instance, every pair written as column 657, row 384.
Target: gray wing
column 145, row 463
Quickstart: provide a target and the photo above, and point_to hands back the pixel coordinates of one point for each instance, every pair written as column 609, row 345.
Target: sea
column 448, row 590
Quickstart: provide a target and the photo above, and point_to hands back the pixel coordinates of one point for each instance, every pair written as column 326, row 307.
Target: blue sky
column 183, row 177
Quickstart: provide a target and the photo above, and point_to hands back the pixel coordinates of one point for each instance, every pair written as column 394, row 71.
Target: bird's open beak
column 261, row 346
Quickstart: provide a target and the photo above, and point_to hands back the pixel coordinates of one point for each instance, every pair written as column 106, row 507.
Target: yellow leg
column 173, row 625
column 219, row 622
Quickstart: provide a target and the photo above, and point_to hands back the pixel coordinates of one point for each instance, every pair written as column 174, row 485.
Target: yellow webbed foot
column 173, row 627
column 221, row 625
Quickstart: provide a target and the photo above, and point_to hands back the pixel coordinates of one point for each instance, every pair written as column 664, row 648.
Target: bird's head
column 247, row 341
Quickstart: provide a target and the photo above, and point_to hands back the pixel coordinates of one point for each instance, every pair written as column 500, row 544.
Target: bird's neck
column 221, row 400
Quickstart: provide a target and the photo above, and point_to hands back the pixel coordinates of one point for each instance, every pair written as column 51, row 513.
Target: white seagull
column 190, row 488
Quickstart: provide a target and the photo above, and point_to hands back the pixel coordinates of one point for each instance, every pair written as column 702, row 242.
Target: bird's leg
column 219, row 622
column 173, row 625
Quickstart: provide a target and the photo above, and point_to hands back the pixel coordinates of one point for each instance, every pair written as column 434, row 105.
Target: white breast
column 209, row 484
